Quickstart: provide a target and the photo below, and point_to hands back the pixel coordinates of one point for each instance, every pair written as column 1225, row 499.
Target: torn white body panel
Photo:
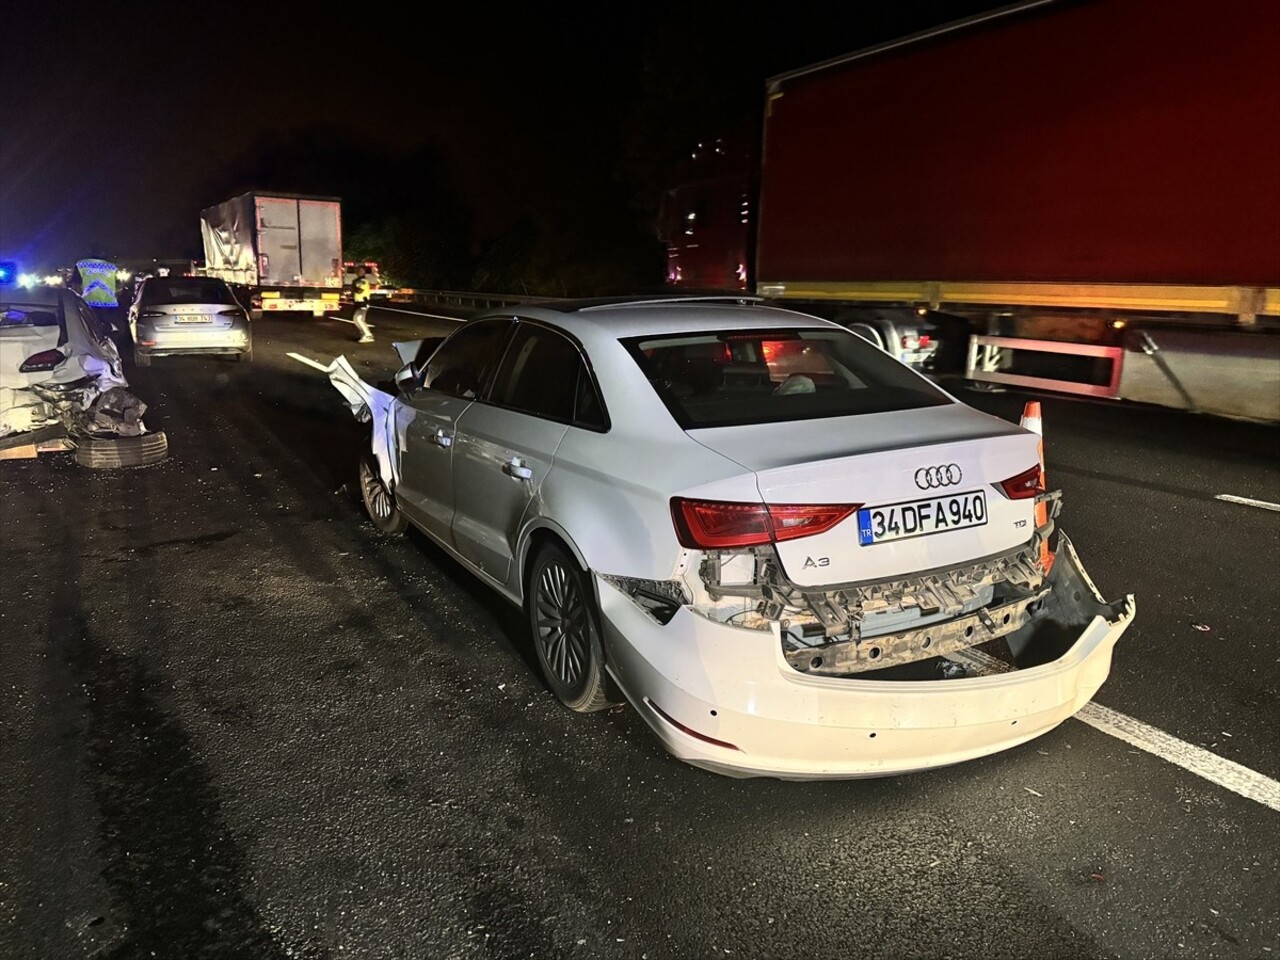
column 369, row 405
column 22, row 411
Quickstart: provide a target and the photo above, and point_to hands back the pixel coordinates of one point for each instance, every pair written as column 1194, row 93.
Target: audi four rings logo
column 930, row 478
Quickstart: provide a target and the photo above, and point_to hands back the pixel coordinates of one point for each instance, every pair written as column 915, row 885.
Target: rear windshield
column 186, row 290
column 22, row 315
column 765, row 376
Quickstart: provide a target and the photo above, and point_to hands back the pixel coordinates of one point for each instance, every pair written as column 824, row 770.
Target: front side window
column 464, row 362
column 765, row 376
column 543, row 374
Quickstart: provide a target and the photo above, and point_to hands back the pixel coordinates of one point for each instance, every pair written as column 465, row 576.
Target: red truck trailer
column 1092, row 189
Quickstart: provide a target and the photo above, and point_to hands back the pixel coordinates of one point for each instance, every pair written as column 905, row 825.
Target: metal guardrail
column 460, row 298
column 990, row 359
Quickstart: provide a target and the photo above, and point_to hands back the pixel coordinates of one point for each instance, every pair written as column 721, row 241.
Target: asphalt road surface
column 235, row 721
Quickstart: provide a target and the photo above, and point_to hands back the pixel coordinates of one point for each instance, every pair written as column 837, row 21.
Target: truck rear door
column 320, row 227
column 279, row 262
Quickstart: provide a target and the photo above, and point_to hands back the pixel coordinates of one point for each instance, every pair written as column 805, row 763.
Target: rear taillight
column 44, row 360
column 925, row 340
column 1024, row 486
column 791, row 521
column 720, row 525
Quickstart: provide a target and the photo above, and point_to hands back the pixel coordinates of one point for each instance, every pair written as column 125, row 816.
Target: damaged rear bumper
column 727, row 699
column 66, row 412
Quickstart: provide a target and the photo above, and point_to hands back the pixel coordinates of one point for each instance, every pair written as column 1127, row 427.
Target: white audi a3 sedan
column 791, row 554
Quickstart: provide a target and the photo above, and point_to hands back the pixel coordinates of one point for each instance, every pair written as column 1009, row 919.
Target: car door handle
column 515, row 468
column 441, row 439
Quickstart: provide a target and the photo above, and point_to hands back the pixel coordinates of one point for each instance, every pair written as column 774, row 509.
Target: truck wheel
column 379, row 502
column 115, row 452
column 566, row 631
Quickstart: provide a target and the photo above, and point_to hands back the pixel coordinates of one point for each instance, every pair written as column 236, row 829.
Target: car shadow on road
column 513, row 635
column 177, row 873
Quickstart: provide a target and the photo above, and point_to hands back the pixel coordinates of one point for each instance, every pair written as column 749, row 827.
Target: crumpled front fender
column 368, row 404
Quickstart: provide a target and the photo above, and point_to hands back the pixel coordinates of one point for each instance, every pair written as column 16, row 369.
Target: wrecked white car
column 792, row 555
column 62, row 385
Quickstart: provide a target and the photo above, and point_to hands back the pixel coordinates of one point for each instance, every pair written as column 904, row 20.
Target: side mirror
column 407, row 379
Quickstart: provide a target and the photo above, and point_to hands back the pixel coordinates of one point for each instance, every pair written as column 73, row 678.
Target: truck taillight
column 721, row 525
column 42, row 361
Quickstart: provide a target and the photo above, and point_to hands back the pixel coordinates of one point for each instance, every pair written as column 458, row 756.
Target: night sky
column 119, row 122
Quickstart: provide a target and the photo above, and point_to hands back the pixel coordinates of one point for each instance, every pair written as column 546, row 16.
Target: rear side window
column 766, row 376
column 543, row 374
column 464, row 362
column 161, row 290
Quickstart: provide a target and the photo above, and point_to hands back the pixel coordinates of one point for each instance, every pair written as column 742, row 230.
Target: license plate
column 919, row 518
column 194, row 318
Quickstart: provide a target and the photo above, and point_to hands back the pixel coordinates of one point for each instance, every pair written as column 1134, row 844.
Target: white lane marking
column 1248, row 502
column 323, row 368
column 1225, row 773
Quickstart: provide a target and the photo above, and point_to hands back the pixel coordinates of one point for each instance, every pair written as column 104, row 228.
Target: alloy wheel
column 375, row 493
column 561, row 624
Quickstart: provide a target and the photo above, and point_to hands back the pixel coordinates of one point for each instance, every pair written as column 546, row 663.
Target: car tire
column 116, row 452
column 141, row 358
column 565, row 625
column 379, row 502
column 245, row 356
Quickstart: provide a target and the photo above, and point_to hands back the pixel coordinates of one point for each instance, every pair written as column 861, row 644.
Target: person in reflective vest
column 98, row 283
column 361, row 290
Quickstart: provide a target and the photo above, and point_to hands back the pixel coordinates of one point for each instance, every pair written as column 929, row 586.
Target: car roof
column 616, row 319
column 184, row 278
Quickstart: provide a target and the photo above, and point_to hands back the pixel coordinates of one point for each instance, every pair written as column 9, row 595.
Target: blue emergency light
column 8, row 272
